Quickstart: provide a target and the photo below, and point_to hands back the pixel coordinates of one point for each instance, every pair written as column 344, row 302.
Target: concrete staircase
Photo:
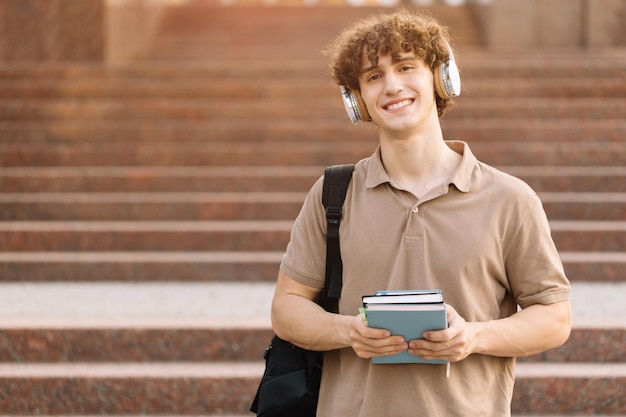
column 144, row 209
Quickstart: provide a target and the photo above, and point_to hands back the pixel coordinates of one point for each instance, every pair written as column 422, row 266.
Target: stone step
column 570, row 388
column 61, row 340
column 238, row 266
column 146, row 236
column 574, row 87
column 212, row 206
column 217, row 305
column 263, row 179
column 221, row 236
column 292, row 108
column 479, row 64
column 162, row 340
column 72, row 319
column 198, row 32
column 291, row 85
column 139, row 266
column 190, row 388
column 589, row 236
column 191, row 179
column 200, row 387
column 298, row 152
column 127, row 330
column 83, row 388
column 294, row 130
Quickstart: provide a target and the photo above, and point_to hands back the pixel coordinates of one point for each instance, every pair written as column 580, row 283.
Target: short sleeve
column 305, row 257
column 534, row 268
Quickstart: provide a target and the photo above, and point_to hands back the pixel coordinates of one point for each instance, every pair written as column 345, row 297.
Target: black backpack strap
column 336, row 181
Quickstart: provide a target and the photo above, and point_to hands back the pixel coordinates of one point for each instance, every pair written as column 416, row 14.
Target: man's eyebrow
column 368, row 69
column 395, row 61
column 405, row 58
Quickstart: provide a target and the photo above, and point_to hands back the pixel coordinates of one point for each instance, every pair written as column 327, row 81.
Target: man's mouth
column 399, row 105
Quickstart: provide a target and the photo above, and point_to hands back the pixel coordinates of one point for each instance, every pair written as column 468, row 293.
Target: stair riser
column 134, row 345
column 244, row 240
column 90, row 271
column 290, row 183
column 145, row 241
column 150, row 211
column 313, row 87
column 596, row 345
column 584, row 395
column 318, row 154
column 188, row 396
column 511, row 71
column 473, row 131
column 194, row 184
column 149, row 183
column 97, row 396
column 200, row 109
column 212, row 210
column 539, row 88
column 196, row 345
column 139, row 272
column 521, row 132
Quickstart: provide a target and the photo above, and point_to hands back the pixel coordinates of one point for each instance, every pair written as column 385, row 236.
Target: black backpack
column 291, row 381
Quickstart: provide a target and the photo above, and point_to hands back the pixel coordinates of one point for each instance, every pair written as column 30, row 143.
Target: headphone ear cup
column 439, row 87
column 447, row 80
column 355, row 107
column 365, row 116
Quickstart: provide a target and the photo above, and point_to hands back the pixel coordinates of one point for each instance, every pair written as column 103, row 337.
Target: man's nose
column 392, row 84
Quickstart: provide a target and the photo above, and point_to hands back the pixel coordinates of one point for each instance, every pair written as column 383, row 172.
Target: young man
column 421, row 213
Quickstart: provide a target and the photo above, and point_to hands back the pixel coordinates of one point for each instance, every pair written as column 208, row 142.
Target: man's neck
column 418, row 163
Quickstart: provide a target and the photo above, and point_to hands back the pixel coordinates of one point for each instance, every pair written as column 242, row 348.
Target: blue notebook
column 410, row 321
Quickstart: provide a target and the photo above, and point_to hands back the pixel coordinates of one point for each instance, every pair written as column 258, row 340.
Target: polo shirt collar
column 461, row 178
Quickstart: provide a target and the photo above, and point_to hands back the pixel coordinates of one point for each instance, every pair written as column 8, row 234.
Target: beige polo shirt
column 482, row 238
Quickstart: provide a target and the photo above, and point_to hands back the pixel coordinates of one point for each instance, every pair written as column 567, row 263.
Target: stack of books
column 407, row 313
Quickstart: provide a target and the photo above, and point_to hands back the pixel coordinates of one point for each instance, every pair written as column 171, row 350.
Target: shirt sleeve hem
column 300, row 277
column 550, row 298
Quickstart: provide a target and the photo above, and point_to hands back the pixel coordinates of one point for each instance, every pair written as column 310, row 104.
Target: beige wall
column 520, row 24
column 51, row 30
column 130, row 27
column 83, row 30
column 606, row 23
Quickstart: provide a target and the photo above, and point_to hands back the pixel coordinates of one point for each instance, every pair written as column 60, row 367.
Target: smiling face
column 399, row 93
column 396, row 34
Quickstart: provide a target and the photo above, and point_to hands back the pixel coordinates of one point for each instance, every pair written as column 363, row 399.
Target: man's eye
column 407, row 68
column 373, row 77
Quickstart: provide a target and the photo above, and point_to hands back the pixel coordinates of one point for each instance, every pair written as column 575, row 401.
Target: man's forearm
column 529, row 331
column 299, row 320
column 306, row 324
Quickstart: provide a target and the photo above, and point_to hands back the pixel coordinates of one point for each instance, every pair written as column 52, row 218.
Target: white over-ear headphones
column 447, row 78
column 447, row 85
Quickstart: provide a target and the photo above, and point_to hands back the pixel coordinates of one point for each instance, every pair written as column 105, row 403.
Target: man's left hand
column 452, row 344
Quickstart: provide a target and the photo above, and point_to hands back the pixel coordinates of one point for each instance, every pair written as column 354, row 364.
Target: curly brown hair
column 392, row 34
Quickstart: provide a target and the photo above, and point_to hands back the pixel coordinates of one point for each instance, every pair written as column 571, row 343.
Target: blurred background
column 154, row 153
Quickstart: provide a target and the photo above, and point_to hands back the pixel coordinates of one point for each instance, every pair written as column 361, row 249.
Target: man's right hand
column 369, row 342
